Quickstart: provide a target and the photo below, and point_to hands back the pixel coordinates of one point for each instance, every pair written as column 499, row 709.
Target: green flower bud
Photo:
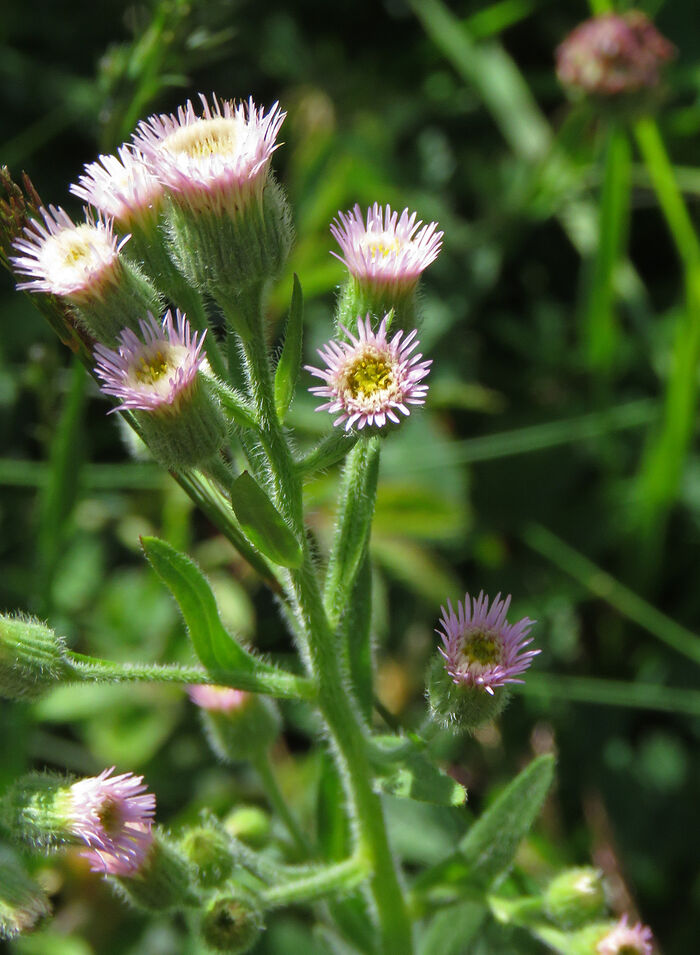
column 209, row 852
column 250, row 824
column 462, row 707
column 163, row 883
column 22, row 901
column 238, row 725
column 232, row 921
column 32, row 658
column 575, row 897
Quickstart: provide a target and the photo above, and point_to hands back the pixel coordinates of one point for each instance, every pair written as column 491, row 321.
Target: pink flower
column 112, row 815
column 122, row 187
column 156, row 373
column 222, row 699
column 369, row 378
column 217, row 160
column 73, row 261
column 386, row 249
column 480, row 647
column 626, row 939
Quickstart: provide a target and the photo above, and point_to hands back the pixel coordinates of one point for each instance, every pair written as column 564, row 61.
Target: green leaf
column 263, row 524
column 452, row 929
column 287, row 371
column 490, row 845
column 413, row 775
column 214, row 646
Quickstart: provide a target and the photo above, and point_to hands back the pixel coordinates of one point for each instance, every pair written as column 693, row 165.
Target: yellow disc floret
column 205, row 138
column 368, row 375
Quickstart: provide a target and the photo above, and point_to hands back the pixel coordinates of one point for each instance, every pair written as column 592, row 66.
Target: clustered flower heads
column 76, row 262
column 369, row 378
column 156, row 373
column 216, row 160
column 123, row 187
column 613, row 55
column 385, row 249
column 481, row 648
column 112, row 815
column 626, row 939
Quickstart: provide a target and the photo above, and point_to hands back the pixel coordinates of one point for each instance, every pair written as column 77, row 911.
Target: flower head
column 386, row 249
column 156, row 373
column 626, row 939
column 216, row 160
column 112, row 815
column 73, row 261
column 369, row 378
column 480, row 647
column 123, row 187
column 613, row 55
column 222, row 699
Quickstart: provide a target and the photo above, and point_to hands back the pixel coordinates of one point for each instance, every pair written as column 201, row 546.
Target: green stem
column 601, row 328
column 341, row 877
column 642, row 696
column 85, row 669
column 665, row 457
column 278, row 803
column 616, row 594
column 328, row 452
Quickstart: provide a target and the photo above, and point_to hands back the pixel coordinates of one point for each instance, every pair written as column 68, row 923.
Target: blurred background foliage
column 522, row 475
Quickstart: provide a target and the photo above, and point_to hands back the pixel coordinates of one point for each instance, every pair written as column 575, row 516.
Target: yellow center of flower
column 76, row 245
column 151, row 368
column 368, row 375
column 205, row 138
column 380, row 245
column 480, row 647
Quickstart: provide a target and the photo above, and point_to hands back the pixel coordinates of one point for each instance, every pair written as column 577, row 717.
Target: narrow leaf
column 451, row 930
column 413, row 776
column 214, row 646
column 287, row 371
column 263, row 524
column 491, row 843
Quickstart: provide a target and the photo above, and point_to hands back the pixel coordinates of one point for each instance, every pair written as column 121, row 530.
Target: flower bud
column 238, row 725
column 481, row 654
column 615, row 60
column 611, row 938
column 575, row 897
column 250, row 824
column 163, row 883
column 232, row 921
column 32, row 658
column 385, row 256
column 158, row 379
column 22, row 901
column 229, row 223
column 209, row 852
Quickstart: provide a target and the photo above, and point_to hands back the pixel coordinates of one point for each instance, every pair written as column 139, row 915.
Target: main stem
column 319, row 650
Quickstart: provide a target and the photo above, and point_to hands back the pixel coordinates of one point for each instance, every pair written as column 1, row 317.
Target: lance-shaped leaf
column 451, row 930
column 491, row 843
column 287, row 371
column 412, row 775
column 213, row 644
column 263, row 524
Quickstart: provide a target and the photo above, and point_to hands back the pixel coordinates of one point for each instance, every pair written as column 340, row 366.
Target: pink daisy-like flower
column 626, row 939
column 221, row 699
column 217, row 160
column 156, row 373
column 480, row 647
column 123, row 187
column 112, row 815
column 369, row 378
column 386, row 249
column 73, row 261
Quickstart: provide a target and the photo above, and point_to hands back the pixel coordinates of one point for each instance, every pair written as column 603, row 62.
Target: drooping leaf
column 413, row 775
column 287, row 371
column 490, row 845
column 214, row 646
column 263, row 524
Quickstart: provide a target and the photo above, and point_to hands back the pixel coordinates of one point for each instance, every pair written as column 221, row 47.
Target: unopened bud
column 238, row 725
column 22, row 901
column 232, row 922
column 575, row 897
column 209, row 852
column 250, row 824
column 164, row 881
column 32, row 658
